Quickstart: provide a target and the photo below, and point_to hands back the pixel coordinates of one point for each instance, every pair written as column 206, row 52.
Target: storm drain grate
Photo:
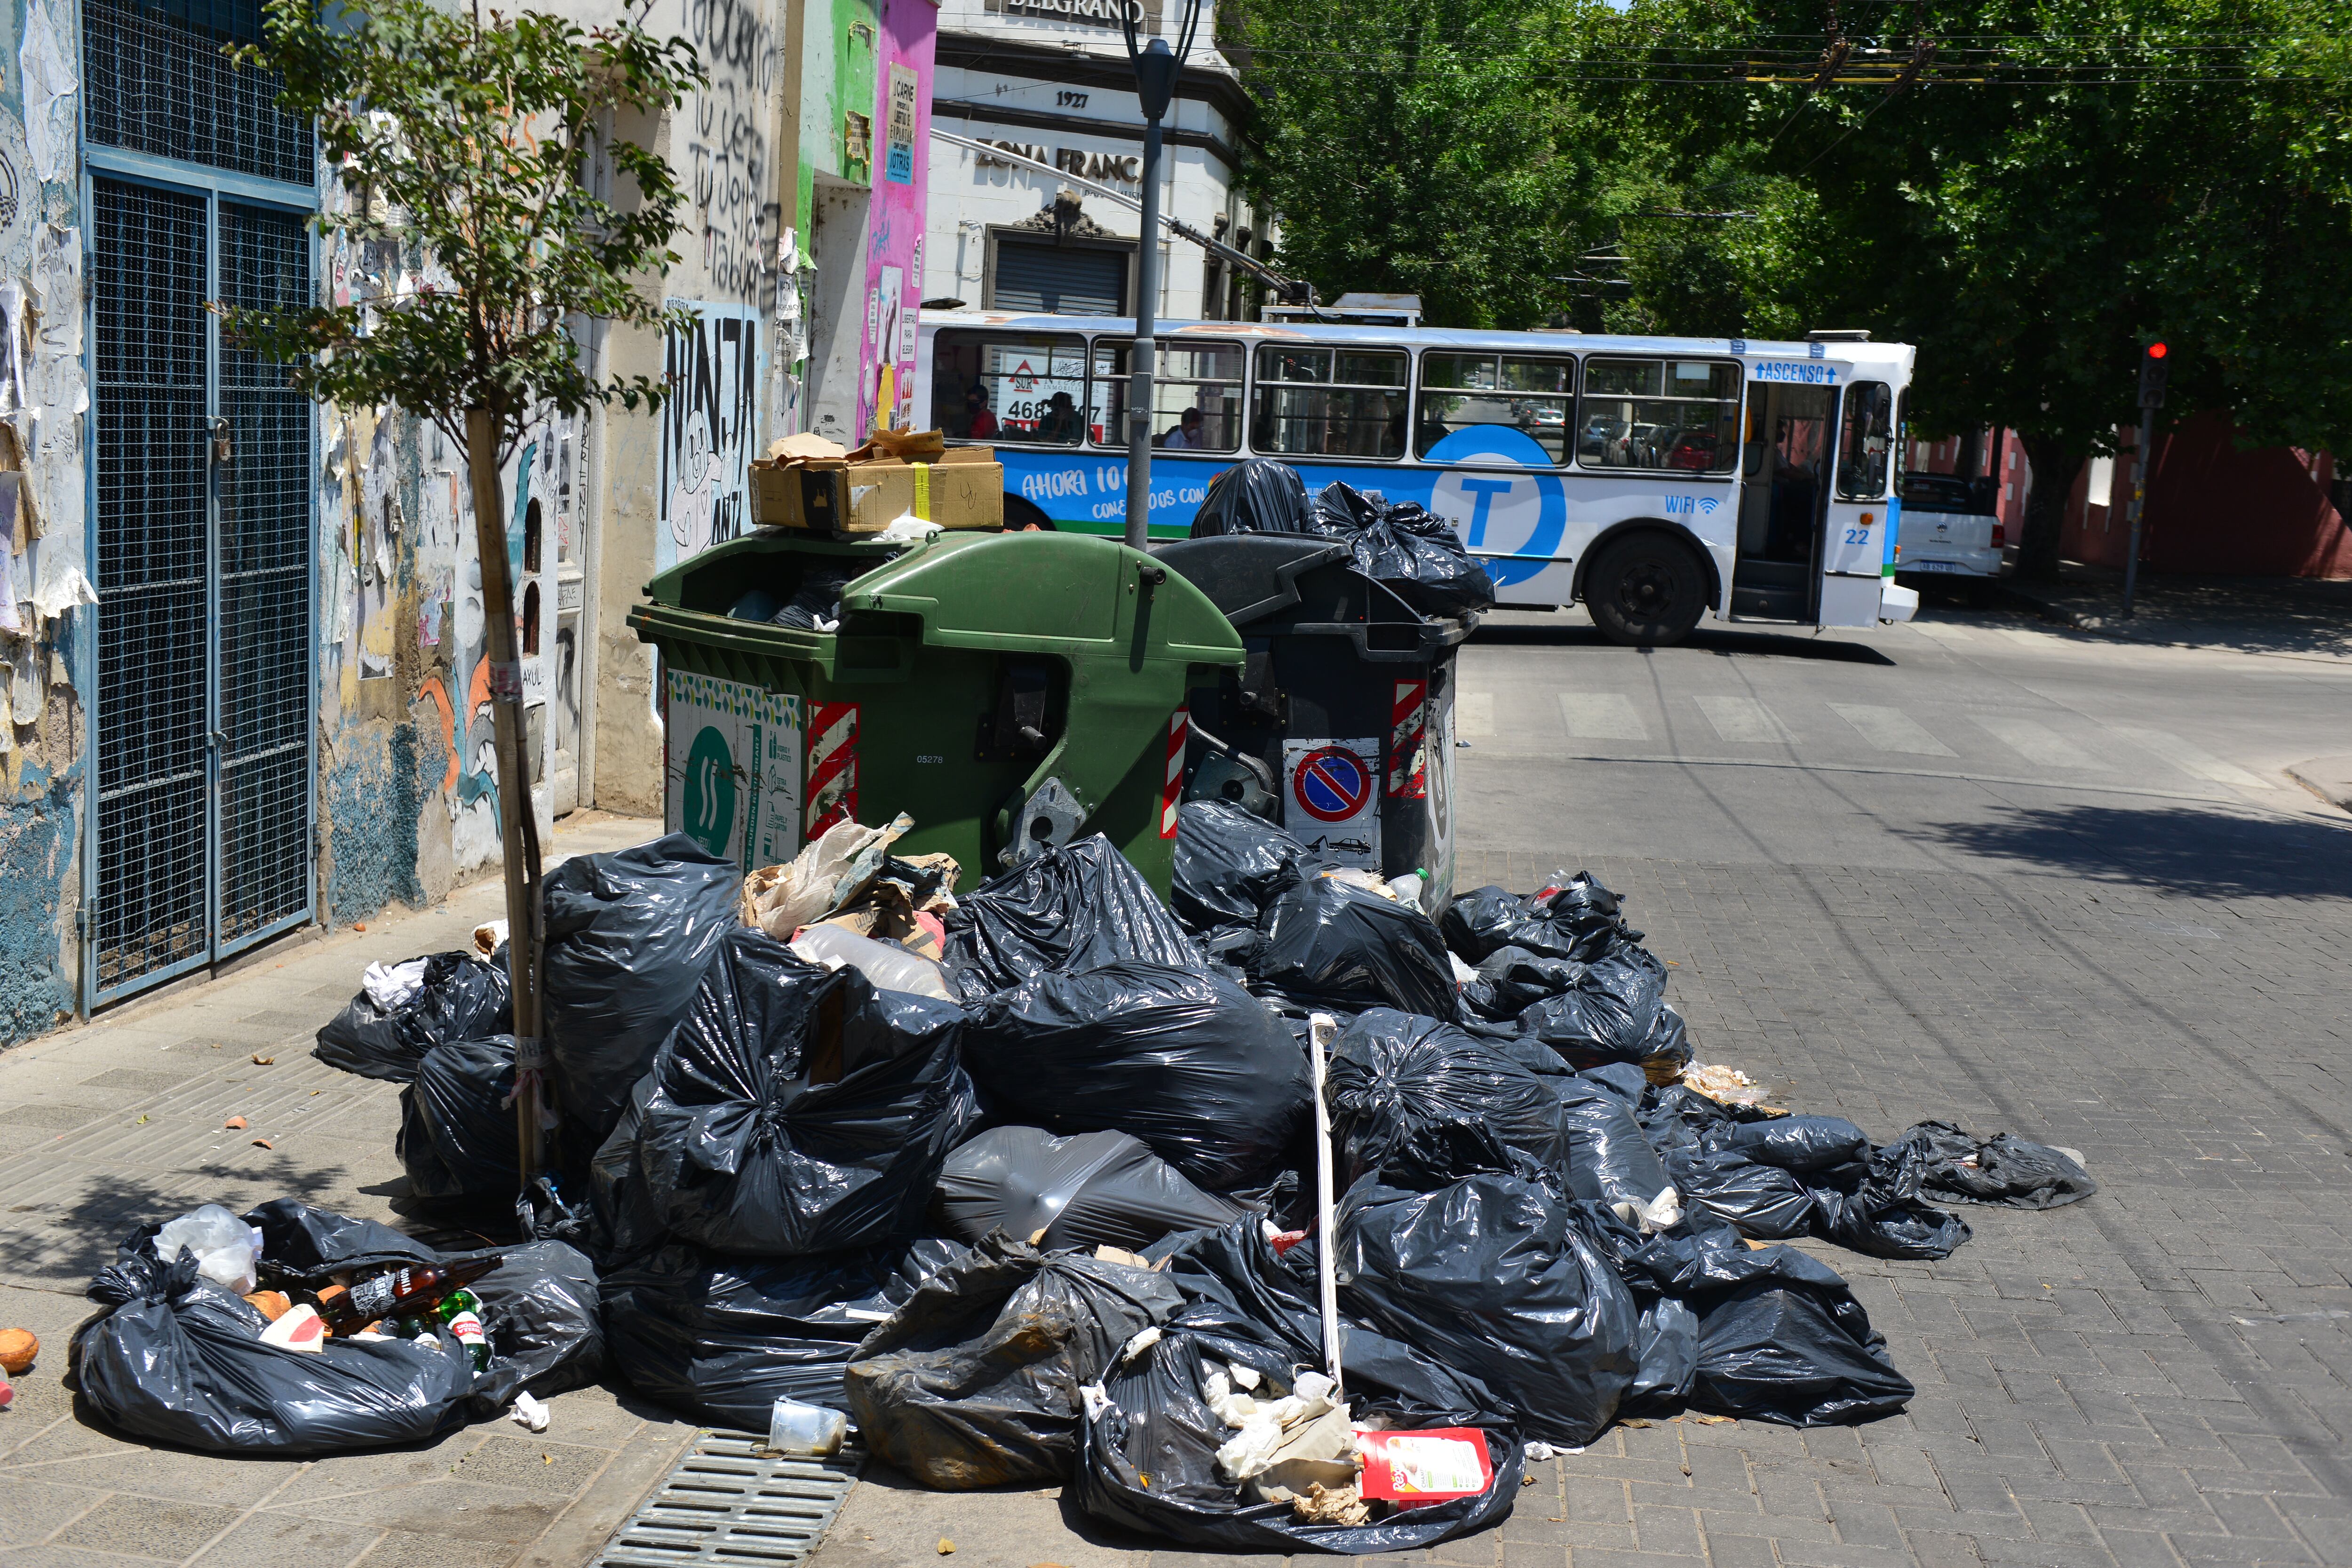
column 728, row 1503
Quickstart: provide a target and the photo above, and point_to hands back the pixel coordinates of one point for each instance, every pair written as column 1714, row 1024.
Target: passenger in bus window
column 1060, row 420
column 979, row 423
column 1188, row 435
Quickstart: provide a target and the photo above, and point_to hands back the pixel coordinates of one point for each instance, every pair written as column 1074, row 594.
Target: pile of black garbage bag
column 1034, row 1234
column 1401, row 544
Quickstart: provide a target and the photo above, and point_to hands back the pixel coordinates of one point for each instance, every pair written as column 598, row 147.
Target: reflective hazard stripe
column 832, row 795
column 1178, row 731
column 1408, row 769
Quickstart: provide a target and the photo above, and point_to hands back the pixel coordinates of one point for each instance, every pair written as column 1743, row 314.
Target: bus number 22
column 1857, row 536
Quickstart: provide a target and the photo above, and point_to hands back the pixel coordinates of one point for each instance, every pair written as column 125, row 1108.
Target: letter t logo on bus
column 1485, row 491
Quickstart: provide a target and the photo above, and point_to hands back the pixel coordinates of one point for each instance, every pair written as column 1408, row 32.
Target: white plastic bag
column 888, row 965
column 225, row 1246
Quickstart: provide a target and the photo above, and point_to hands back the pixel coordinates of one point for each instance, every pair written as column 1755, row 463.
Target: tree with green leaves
column 1425, row 147
column 2029, row 190
column 480, row 147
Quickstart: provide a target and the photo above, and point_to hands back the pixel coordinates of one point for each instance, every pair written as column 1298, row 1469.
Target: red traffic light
column 2156, row 351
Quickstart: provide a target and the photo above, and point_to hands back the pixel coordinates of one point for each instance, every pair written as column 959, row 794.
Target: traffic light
column 2153, row 367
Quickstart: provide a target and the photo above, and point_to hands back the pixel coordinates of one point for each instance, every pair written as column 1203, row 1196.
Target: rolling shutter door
column 1059, row 280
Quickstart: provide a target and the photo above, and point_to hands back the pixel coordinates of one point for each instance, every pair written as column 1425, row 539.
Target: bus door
column 1859, row 519
column 1784, row 487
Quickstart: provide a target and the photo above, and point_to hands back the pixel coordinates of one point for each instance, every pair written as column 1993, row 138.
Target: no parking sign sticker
column 1331, row 799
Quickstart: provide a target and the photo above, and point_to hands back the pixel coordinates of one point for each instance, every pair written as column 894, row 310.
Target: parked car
column 1949, row 528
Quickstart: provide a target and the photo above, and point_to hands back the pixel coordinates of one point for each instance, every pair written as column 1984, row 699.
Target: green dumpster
column 1009, row 692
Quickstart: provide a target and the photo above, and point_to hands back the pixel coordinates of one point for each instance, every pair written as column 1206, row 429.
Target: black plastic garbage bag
column 1674, row 1118
column 1422, row 1104
column 1939, row 1158
column 1667, row 1354
column 180, row 1359
column 1478, row 923
column 1188, row 1062
column 1763, row 1201
column 1259, row 496
column 1878, row 1225
column 540, row 1306
column 974, row 1381
column 1573, row 916
column 1080, row 905
column 1403, row 545
column 1239, row 1293
column 800, row 1110
column 463, row 998
column 1229, row 864
column 817, row 597
column 1092, row 1189
column 1610, row 1159
column 628, row 936
column 1616, row 1012
column 542, row 1312
column 1800, row 1144
column 456, row 1135
column 1511, row 979
column 722, row 1339
column 1150, row 1464
column 1489, row 1276
column 1330, row 944
column 1793, row 1347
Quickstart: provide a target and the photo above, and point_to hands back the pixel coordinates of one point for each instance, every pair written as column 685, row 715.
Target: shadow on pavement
column 2212, row 852
column 1721, row 643
column 73, row 1241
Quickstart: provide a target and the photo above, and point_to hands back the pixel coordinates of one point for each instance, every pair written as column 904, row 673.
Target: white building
column 1051, row 78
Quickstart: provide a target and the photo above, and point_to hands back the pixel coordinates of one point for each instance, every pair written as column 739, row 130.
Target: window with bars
column 156, row 81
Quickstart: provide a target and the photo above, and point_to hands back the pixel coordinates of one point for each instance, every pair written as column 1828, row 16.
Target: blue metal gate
column 201, row 533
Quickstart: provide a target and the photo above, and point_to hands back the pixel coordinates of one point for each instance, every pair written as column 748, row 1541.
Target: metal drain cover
column 729, row 1503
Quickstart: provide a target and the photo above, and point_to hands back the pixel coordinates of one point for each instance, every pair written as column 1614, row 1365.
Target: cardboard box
column 965, row 488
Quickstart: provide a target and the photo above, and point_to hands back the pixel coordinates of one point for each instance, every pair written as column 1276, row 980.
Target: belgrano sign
column 1085, row 13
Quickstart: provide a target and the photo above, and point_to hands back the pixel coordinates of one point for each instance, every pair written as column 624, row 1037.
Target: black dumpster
column 1340, row 724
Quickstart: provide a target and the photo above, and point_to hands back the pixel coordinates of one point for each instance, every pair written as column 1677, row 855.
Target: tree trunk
column 2055, row 468
column 518, row 828
column 1964, row 466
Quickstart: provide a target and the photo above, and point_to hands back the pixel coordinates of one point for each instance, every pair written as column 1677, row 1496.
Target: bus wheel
column 1021, row 514
column 1646, row 591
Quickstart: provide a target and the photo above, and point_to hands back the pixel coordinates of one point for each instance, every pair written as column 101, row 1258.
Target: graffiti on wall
column 708, row 427
column 726, row 146
column 894, row 257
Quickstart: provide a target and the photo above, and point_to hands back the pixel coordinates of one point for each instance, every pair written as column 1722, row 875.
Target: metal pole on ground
column 1156, row 67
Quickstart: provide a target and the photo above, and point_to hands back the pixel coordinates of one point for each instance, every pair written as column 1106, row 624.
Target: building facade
column 241, row 636
column 1051, row 80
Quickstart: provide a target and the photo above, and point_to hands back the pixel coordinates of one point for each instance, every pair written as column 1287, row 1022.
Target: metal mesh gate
column 159, row 84
column 202, row 815
column 153, row 555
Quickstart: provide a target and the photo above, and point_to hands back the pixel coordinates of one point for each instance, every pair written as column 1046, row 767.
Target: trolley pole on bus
column 2152, row 371
column 1156, row 70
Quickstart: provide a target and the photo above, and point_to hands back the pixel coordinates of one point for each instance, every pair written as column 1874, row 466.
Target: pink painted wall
column 894, row 255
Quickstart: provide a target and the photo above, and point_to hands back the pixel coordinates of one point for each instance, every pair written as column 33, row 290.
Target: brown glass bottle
column 407, row 1292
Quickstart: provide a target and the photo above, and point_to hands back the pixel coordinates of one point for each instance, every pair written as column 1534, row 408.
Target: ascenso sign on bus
column 1802, row 372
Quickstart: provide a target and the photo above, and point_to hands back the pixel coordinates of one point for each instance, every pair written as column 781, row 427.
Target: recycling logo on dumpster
column 1332, row 798
column 731, row 768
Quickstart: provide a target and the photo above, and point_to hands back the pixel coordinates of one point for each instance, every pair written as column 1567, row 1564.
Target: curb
column 2329, row 778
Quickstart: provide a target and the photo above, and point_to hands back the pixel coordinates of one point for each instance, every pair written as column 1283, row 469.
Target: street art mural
column 709, row 428
column 894, row 257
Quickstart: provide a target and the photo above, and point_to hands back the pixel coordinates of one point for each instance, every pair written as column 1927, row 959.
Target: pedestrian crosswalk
column 1997, row 742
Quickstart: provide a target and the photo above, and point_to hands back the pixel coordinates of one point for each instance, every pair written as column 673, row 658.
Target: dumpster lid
column 1250, row 575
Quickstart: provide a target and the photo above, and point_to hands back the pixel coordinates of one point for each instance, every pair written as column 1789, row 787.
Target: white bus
column 1655, row 481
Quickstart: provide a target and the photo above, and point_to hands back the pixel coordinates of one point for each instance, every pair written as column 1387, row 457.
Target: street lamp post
column 1156, row 70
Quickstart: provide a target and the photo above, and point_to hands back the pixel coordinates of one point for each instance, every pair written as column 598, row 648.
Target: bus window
column 998, row 386
column 1196, row 395
column 1461, row 392
column 1329, row 403
column 1866, row 443
column 1659, row 413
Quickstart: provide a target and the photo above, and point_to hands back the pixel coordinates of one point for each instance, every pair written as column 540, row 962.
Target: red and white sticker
column 1408, row 741
column 1180, row 727
column 832, row 793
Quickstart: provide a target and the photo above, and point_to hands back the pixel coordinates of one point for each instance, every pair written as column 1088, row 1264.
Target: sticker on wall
column 898, row 132
column 1331, row 799
column 733, row 769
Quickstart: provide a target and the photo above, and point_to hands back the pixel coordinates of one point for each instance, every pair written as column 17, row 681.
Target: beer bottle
column 411, row 1292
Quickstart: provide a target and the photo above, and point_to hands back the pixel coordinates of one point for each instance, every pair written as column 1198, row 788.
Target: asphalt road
column 1981, row 742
